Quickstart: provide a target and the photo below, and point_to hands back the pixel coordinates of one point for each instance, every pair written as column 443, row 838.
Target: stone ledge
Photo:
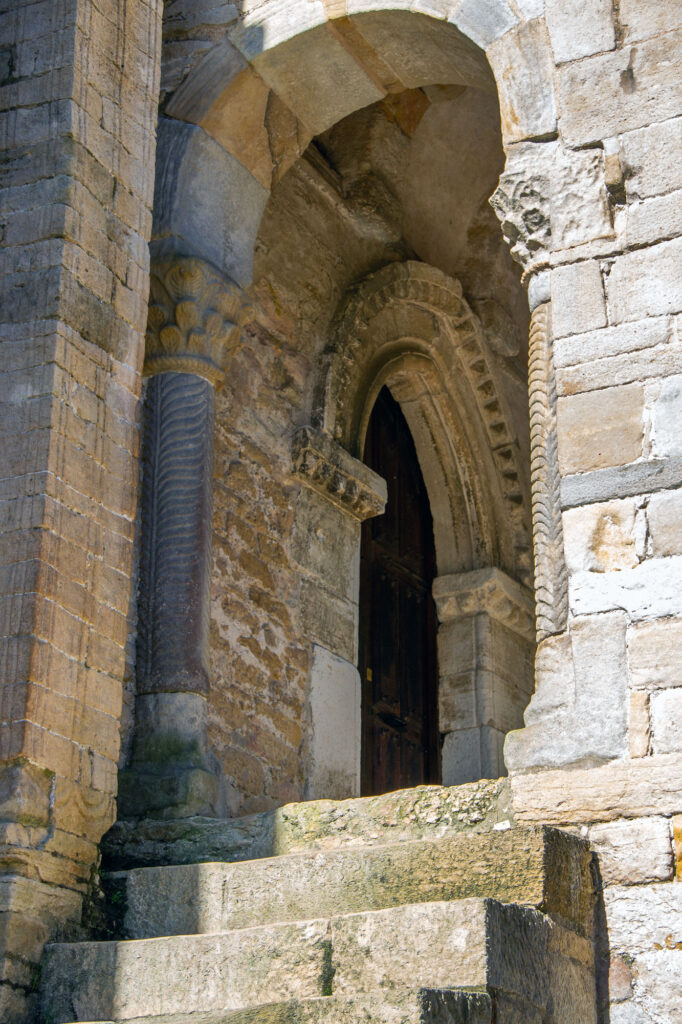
column 324, row 466
column 488, row 591
column 620, row 482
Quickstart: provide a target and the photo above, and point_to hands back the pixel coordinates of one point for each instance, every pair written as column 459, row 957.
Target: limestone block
column 554, row 678
column 601, row 537
column 654, row 220
column 666, row 721
column 264, row 26
column 314, row 74
column 645, row 282
column 665, row 405
column 335, row 709
column 579, row 29
column 25, row 793
column 600, row 428
column 653, row 653
column 521, row 59
column 664, row 515
column 651, row 590
column 577, row 299
column 642, row 918
column 591, row 348
column 328, row 620
column 657, row 984
column 640, row 724
column 635, row 788
column 538, row 867
column 632, row 852
column 652, row 158
column 483, row 22
column 637, row 87
column 642, row 20
column 595, row 725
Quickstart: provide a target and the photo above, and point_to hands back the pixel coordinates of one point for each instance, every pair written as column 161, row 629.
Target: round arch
column 286, row 72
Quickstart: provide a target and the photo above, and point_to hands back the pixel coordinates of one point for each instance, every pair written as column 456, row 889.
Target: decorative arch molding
column 409, row 327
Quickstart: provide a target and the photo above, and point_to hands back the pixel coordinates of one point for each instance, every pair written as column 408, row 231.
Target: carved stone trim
column 193, row 321
column 551, row 575
column 488, row 591
column 521, row 205
column 330, row 470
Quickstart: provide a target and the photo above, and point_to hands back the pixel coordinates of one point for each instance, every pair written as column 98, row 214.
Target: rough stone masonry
column 474, row 203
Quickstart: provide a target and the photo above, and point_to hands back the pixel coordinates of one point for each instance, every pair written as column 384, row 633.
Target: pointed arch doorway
column 397, row 640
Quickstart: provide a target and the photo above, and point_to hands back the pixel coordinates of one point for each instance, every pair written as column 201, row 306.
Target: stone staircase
column 394, row 909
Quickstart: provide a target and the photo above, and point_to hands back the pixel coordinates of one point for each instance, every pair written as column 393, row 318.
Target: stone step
column 470, row 943
column 407, row 814
column 420, row 1006
column 540, row 867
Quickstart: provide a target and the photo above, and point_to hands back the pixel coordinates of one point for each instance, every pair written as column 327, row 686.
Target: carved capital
column 521, row 203
column 194, row 318
column 329, row 469
column 488, row 591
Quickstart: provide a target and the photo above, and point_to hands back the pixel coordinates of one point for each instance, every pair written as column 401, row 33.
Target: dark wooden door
column 397, row 616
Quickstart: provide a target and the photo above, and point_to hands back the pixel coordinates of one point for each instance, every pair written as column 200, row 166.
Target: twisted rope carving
column 175, row 556
column 551, row 576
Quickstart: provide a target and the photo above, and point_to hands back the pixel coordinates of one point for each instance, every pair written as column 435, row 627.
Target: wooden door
column 397, row 616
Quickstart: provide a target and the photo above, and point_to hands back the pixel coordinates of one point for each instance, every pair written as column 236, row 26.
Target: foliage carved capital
column 521, row 204
column 488, row 591
column 194, row 319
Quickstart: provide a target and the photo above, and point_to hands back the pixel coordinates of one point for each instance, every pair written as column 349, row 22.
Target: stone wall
column 78, row 85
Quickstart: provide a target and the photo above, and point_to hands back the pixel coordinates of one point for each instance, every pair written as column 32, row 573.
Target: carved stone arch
column 409, row 326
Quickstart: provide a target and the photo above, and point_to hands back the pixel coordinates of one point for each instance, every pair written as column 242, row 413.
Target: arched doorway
column 398, row 660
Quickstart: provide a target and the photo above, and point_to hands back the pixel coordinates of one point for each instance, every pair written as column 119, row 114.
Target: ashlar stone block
column 632, row 852
column 664, row 515
column 580, row 28
column 601, row 537
column 600, row 428
column 653, row 653
column 646, row 282
column 577, row 299
column 665, row 412
column 652, row 158
column 666, row 720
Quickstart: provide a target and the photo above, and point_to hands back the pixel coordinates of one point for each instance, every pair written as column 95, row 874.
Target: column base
column 166, row 793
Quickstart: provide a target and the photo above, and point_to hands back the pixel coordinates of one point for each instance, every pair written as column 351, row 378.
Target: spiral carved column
column 551, row 575
column 193, row 318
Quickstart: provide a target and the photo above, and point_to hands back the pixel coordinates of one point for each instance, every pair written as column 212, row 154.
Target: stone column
column 193, row 319
column 485, row 658
column 339, row 493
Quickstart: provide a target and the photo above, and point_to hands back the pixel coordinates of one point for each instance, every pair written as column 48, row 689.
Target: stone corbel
column 323, row 465
column 488, row 591
column 521, row 202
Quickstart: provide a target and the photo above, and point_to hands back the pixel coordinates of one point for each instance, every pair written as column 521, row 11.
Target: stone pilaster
column 339, row 492
column 193, row 322
column 485, row 656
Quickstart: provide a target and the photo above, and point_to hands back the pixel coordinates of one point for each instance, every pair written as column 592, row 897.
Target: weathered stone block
column 632, row 852
column 653, row 158
column 664, row 516
column 637, row 87
column 577, row 299
column 601, row 537
column 522, row 60
column 599, row 429
column 642, row 20
column 640, row 724
column 335, row 709
column 580, row 29
column 666, row 721
column 665, row 404
column 650, row 590
column 645, row 282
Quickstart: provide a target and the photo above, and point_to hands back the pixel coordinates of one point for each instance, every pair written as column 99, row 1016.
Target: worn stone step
column 420, row 1006
column 408, row 814
column 464, row 944
column 540, row 867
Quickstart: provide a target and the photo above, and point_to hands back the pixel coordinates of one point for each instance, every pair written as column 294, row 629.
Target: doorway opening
column 397, row 649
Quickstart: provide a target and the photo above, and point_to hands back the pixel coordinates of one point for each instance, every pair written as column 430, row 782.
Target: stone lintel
column 488, row 591
column 323, row 465
column 627, row 481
